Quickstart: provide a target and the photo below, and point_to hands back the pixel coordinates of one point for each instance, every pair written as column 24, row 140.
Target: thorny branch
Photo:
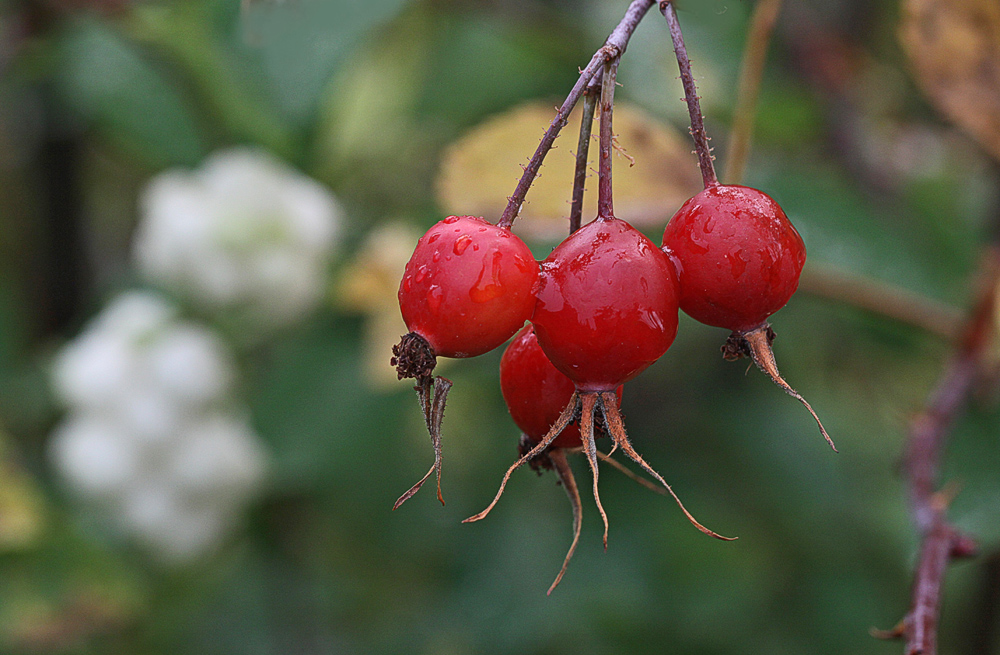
column 611, row 51
column 928, row 430
column 690, row 96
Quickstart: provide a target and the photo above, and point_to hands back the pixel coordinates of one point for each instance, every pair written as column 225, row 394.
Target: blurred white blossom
column 245, row 233
column 152, row 437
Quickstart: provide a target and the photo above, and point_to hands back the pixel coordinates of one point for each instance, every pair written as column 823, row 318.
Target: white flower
column 96, row 457
column 245, row 233
column 153, row 436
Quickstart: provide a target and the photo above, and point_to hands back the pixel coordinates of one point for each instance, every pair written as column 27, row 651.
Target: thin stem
column 691, row 97
column 564, row 419
column 565, row 473
column 582, row 155
column 765, row 15
column 605, row 208
column 612, row 49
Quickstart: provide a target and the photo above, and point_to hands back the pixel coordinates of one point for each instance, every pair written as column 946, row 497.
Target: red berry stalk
column 738, row 257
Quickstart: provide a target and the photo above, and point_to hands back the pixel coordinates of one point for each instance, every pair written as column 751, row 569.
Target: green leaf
column 105, row 80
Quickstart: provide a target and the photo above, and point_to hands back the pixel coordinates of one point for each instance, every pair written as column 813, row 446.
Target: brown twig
column 605, row 204
column 582, row 154
column 928, row 430
column 882, row 299
column 691, row 97
column 610, row 51
column 765, row 14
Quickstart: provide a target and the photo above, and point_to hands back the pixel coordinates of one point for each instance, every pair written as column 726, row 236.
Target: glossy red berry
column 607, row 305
column 535, row 391
column 738, row 258
column 468, row 286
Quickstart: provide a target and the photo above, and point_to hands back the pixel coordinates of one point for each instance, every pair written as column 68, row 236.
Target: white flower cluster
column 244, row 234
column 153, row 438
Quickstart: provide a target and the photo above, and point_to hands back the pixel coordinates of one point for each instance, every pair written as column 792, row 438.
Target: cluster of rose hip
column 602, row 306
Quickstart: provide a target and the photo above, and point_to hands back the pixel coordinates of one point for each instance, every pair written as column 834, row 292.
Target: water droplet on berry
column 461, row 243
column 484, row 290
column 698, row 246
column 451, row 219
column 436, row 257
column 736, row 262
column 475, row 247
column 434, row 237
column 709, row 225
column 421, row 275
column 434, row 297
column 407, row 284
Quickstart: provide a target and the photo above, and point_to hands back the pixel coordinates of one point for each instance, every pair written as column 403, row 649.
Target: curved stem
column 765, row 15
column 564, row 419
column 616, row 428
column 691, row 97
column 588, row 401
column 611, row 50
column 605, row 206
column 582, row 155
column 758, row 343
column 565, row 473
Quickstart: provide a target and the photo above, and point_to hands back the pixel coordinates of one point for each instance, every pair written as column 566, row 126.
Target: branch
column 690, row 96
column 882, row 299
column 928, row 431
column 765, row 14
column 610, row 51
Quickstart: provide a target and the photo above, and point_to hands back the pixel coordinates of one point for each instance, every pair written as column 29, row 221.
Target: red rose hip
column 738, row 257
column 468, row 286
column 606, row 305
column 738, row 260
column 535, row 392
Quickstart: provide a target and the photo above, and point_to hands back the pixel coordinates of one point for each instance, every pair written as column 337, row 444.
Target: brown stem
column 616, row 428
column 758, row 344
column 927, row 433
column 611, row 50
column 564, row 419
column 565, row 473
column 605, row 205
column 765, row 14
column 691, row 97
column 582, row 155
column 881, row 298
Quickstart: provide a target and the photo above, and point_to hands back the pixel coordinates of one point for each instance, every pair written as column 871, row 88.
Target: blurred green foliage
column 365, row 96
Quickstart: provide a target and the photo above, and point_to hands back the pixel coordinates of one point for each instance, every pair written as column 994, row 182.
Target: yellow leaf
column 481, row 169
column 954, row 47
column 22, row 517
column 368, row 286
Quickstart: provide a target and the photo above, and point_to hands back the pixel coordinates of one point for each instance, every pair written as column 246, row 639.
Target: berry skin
column 467, row 287
column 738, row 258
column 535, row 391
column 607, row 305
